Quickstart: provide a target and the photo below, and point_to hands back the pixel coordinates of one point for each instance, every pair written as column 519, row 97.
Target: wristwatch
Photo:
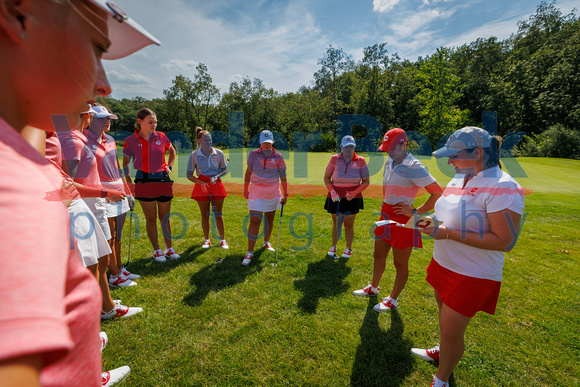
column 414, row 211
column 103, row 193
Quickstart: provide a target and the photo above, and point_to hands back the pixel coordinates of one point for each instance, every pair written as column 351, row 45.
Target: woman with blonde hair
column 209, row 164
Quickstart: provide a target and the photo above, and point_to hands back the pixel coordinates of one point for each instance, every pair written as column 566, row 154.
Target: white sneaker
column 247, row 259
column 159, row 256
column 128, row 274
column 110, row 378
column 430, row 354
column 205, row 244
column 347, row 253
column 120, row 281
column 170, row 253
column 388, row 303
column 367, row 291
column 104, row 340
column 332, row 252
column 268, row 246
column 224, row 245
column 120, row 311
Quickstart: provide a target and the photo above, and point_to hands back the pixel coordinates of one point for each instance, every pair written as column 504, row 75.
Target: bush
column 557, row 142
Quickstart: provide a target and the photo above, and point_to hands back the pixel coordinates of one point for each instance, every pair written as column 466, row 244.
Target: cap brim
column 270, row 141
column 445, row 152
column 125, row 34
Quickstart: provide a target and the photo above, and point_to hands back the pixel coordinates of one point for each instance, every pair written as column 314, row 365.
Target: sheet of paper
column 417, row 224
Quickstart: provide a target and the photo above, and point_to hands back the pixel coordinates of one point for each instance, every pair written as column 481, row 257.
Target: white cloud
column 384, row 5
column 179, row 65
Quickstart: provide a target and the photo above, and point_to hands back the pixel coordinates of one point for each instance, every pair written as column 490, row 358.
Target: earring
column 23, row 35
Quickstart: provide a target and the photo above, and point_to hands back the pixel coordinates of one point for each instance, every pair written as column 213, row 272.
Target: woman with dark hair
column 265, row 175
column 346, row 177
column 481, row 209
column 209, row 164
column 403, row 177
column 153, row 186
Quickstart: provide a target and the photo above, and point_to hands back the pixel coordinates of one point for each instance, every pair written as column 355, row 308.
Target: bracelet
column 103, row 193
column 448, row 232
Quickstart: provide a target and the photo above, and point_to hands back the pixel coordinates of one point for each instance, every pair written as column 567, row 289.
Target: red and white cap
column 102, row 112
column 125, row 34
column 394, row 136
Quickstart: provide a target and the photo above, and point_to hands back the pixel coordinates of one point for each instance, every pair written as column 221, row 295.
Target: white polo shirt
column 401, row 183
column 207, row 166
column 466, row 208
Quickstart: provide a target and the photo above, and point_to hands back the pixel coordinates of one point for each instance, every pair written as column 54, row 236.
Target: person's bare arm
column 22, row 371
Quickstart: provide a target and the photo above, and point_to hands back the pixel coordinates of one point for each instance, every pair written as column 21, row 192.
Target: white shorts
column 98, row 207
column 120, row 207
column 264, row 205
column 91, row 241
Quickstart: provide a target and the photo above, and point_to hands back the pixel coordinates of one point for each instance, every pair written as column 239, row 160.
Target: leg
column 334, row 230
column 108, row 303
column 401, row 262
column 150, row 212
column 113, row 268
column 269, row 224
column 164, row 208
column 380, row 261
column 205, row 208
column 254, row 229
column 452, row 327
column 348, row 223
column 219, row 219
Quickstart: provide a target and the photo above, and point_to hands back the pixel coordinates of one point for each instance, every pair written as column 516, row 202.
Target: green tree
column 437, row 97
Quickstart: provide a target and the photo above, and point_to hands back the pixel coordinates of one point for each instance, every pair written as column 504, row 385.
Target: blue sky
column 281, row 41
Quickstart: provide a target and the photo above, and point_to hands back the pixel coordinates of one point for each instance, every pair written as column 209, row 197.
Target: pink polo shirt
column 346, row 174
column 148, row 155
column 76, row 148
column 53, row 310
column 266, row 172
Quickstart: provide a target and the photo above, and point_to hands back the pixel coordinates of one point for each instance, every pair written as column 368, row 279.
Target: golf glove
column 213, row 180
column 334, row 196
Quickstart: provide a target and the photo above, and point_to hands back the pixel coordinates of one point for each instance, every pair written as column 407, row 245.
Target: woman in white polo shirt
column 345, row 177
column 481, row 209
column 265, row 174
column 209, row 164
column 403, row 177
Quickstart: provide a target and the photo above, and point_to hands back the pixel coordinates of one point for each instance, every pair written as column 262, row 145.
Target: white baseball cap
column 347, row 140
column 102, row 112
column 125, row 34
column 266, row 136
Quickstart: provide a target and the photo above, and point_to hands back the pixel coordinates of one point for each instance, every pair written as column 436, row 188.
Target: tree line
column 530, row 79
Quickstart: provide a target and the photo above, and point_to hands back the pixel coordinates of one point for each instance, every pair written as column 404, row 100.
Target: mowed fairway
column 297, row 323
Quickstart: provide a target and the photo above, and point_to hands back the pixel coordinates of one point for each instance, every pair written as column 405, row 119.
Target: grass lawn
column 297, row 323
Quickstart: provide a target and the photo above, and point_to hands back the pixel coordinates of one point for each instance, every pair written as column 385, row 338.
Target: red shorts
column 464, row 294
column 201, row 193
column 397, row 236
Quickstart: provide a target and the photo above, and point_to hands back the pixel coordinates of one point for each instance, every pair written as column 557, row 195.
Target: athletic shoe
column 347, row 253
column 438, row 382
column 120, row 311
column 104, row 340
column 332, row 252
column 268, row 246
column 110, row 378
column 388, row 303
column 120, row 281
column 170, row 253
column 431, row 354
column 205, row 244
column 159, row 256
column 224, row 245
column 247, row 259
column 367, row 291
column 128, row 274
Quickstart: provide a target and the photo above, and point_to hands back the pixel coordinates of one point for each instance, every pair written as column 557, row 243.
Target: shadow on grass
column 148, row 267
column 218, row 276
column 324, row 278
column 383, row 358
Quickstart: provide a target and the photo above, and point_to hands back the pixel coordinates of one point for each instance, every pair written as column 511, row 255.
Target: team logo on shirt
column 158, row 142
column 472, row 192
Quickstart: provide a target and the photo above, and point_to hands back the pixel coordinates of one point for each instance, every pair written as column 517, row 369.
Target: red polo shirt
column 148, row 155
